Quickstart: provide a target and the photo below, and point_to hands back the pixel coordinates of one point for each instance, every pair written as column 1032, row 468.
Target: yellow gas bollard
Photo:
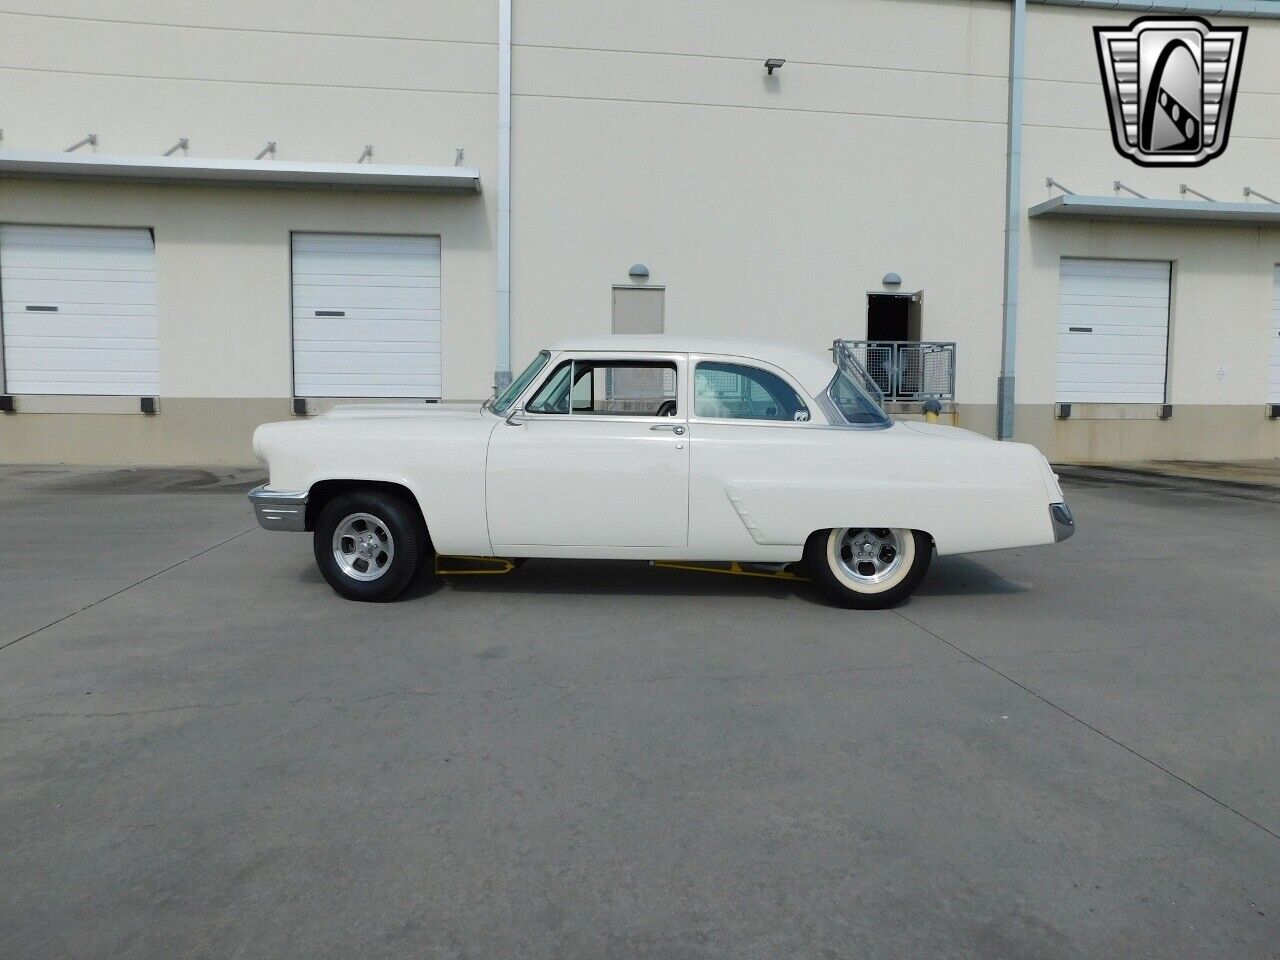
column 932, row 407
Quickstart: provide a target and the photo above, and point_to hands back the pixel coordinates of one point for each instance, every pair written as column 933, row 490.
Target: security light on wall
column 773, row 63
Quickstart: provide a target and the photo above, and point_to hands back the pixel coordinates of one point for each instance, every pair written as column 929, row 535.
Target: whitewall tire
column 868, row 567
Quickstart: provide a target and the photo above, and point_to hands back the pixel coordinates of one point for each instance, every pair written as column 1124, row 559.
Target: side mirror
column 515, row 417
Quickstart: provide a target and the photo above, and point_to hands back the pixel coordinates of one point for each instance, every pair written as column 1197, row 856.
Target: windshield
column 854, row 404
column 508, row 396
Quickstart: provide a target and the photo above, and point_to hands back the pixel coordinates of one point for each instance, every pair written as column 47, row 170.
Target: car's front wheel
column 868, row 568
column 369, row 544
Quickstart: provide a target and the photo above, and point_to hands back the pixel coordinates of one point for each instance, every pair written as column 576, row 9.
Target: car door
column 754, row 431
column 598, row 458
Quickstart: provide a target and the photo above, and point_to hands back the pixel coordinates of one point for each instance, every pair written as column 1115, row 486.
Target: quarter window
column 633, row 388
column 734, row 391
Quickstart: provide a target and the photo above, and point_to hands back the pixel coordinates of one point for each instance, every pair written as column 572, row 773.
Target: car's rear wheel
column 868, row 568
column 370, row 544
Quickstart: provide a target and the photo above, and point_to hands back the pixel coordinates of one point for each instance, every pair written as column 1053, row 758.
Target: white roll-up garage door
column 1113, row 331
column 1273, row 371
column 366, row 315
column 79, row 310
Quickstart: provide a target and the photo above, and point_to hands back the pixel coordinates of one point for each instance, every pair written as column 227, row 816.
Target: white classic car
column 656, row 448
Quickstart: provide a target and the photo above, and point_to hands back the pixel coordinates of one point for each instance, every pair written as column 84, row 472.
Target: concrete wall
column 223, row 291
column 322, row 79
column 1220, row 310
column 765, row 206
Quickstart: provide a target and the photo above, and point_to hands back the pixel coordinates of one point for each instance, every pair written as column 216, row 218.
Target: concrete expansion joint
column 1089, row 726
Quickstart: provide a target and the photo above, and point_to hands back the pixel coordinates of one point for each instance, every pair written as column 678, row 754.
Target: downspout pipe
column 1013, row 224
column 502, row 371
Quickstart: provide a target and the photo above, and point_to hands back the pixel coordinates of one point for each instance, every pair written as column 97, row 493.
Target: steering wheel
column 666, row 409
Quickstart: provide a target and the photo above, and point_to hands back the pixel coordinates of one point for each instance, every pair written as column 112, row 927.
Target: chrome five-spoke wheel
column 868, row 567
column 370, row 543
column 363, row 546
column 871, row 555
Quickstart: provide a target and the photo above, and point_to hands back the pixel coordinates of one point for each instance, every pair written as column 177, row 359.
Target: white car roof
column 812, row 368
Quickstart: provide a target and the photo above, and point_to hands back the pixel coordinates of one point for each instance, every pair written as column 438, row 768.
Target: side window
column 635, row 388
column 554, row 395
column 734, row 391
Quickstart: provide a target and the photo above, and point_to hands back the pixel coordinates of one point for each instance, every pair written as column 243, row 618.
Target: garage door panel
column 17, row 341
column 344, row 280
column 1147, row 316
column 379, row 331
column 366, row 314
column 89, row 272
column 390, row 347
column 1105, row 347
column 368, row 362
column 95, row 329
column 364, row 244
column 373, row 265
column 124, row 359
column 1138, row 269
column 367, row 298
column 132, row 387
column 30, row 239
column 75, row 293
column 341, row 328
column 1113, row 331
column 86, row 325
column 356, row 386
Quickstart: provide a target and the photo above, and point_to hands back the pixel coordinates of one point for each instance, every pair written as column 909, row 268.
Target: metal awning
column 208, row 170
column 1156, row 211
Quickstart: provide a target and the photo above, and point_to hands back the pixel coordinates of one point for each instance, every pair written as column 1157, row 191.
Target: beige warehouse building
column 215, row 215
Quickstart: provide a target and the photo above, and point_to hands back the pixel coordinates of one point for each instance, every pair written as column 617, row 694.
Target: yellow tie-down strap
column 734, row 569
column 464, row 566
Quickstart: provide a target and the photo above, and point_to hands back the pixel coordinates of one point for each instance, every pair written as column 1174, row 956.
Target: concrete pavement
column 1056, row 752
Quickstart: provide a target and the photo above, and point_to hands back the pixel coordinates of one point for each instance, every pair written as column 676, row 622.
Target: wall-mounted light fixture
column 773, row 63
column 891, row 279
column 638, row 271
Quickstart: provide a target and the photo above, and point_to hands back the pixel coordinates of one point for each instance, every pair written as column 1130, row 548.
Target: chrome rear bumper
column 1064, row 524
column 279, row 509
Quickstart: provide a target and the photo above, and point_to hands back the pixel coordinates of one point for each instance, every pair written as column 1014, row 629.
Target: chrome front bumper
column 1064, row 524
column 279, row 509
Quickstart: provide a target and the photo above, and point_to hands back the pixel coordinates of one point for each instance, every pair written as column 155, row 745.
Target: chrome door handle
column 675, row 428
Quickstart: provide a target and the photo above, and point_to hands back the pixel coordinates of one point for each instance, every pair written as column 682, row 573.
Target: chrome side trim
column 1064, row 524
column 279, row 509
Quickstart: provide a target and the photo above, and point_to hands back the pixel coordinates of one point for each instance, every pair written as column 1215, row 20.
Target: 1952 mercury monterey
column 656, row 448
